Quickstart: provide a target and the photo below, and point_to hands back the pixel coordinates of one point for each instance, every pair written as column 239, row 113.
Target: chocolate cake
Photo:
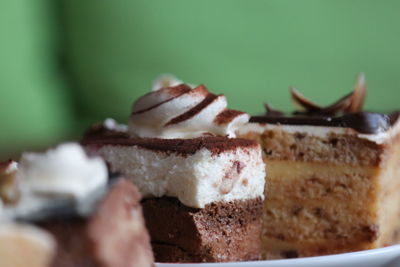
column 220, row 231
column 89, row 220
column 113, row 236
column 332, row 180
column 202, row 187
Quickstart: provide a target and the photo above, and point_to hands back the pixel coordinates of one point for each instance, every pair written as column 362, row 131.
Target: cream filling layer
column 197, row 179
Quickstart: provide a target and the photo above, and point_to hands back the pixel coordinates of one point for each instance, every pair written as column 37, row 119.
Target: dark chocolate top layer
column 362, row 122
column 216, row 144
column 346, row 112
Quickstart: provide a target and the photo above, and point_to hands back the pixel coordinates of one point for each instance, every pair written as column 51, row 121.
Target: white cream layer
column 197, row 179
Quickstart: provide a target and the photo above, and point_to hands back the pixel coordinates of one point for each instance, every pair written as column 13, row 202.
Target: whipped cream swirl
column 182, row 112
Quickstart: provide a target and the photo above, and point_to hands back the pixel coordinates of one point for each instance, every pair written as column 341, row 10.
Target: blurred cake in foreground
column 202, row 187
column 25, row 245
column 333, row 177
column 84, row 219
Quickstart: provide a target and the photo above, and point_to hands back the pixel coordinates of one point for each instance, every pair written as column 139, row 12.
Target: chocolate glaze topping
column 346, row 112
column 362, row 122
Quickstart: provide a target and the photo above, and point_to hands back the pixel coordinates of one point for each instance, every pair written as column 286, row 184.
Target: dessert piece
column 221, row 231
column 25, row 245
column 202, row 187
column 94, row 224
column 63, row 176
column 333, row 182
column 115, row 235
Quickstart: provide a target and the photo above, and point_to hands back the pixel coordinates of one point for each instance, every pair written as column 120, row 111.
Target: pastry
column 332, row 180
column 91, row 221
column 202, row 187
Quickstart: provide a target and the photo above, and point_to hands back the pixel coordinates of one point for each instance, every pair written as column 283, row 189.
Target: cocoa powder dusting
column 226, row 116
column 184, row 147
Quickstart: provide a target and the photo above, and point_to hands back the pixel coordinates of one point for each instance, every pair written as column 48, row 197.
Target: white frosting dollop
column 165, row 80
column 61, row 178
column 65, row 170
column 178, row 111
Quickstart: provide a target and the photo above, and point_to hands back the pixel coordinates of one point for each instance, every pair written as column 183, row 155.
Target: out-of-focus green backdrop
column 66, row 64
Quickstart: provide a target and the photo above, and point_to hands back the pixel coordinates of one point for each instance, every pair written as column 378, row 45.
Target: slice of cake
column 202, row 187
column 114, row 236
column 333, row 174
column 66, row 193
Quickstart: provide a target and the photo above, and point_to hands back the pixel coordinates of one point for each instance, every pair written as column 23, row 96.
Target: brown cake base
column 220, row 232
column 115, row 236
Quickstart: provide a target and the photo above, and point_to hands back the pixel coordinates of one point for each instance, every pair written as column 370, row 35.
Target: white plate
column 380, row 257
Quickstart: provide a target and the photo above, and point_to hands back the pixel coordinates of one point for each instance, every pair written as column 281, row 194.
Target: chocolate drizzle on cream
column 195, row 110
column 182, row 112
column 346, row 112
column 173, row 92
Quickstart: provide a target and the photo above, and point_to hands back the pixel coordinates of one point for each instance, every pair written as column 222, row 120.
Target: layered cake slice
column 91, row 221
column 202, row 187
column 333, row 174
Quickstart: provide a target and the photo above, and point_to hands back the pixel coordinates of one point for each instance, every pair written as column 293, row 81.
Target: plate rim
column 326, row 258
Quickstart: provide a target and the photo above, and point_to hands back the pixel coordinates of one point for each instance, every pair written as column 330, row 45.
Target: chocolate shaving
column 346, row 112
column 352, row 102
column 359, row 94
column 303, row 102
column 272, row 111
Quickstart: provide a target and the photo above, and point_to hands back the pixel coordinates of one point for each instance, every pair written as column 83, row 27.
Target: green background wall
column 66, row 64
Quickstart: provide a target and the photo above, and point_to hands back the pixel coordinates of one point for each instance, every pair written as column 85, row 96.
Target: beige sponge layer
column 328, row 195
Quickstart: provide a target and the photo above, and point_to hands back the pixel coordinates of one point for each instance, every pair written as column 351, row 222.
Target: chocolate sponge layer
column 220, row 232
